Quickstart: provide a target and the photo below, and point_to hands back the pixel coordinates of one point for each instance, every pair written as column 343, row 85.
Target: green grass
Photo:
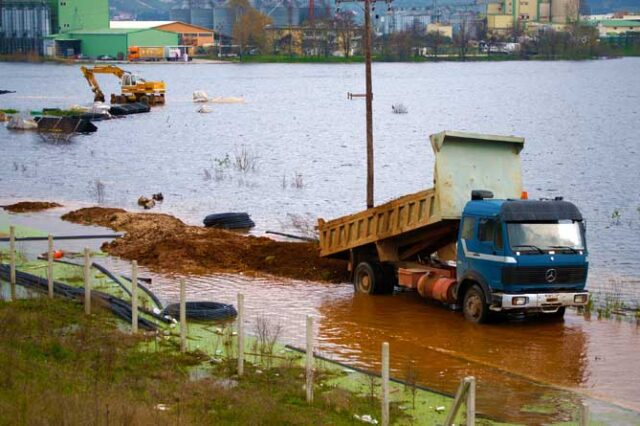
column 59, row 365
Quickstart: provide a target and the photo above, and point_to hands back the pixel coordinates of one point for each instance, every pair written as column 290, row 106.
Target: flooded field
column 307, row 140
column 529, row 371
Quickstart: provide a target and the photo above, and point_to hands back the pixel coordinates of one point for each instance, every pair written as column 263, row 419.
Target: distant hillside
column 159, row 9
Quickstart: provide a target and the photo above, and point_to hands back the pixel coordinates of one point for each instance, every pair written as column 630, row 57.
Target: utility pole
column 368, row 95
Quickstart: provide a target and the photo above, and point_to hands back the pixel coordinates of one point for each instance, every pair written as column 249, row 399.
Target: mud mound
column 30, row 206
column 165, row 243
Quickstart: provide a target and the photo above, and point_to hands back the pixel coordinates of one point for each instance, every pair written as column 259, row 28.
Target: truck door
column 490, row 251
column 467, row 240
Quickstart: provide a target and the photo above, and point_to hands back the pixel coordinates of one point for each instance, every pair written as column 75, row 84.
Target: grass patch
column 60, row 365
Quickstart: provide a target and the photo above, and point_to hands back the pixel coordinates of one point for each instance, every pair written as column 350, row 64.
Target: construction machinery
column 133, row 87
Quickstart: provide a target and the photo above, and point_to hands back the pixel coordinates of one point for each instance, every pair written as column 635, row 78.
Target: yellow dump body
column 427, row 220
column 396, row 217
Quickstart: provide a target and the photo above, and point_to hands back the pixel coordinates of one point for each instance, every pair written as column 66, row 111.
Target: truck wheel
column 475, row 307
column 389, row 278
column 368, row 278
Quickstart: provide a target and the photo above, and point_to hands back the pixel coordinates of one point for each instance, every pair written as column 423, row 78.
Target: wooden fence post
column 134, row 297
column 585, row 416
column 457, row 401
column 385, row 384
column 240, row 327
column 12, row 261
column 50, row 266
column 309, row 359
column 183, row 316
column 471, row 401
column 87, row 281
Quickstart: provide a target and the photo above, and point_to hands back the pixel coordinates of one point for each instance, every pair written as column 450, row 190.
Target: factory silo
column 181, row 12
column 202, row 14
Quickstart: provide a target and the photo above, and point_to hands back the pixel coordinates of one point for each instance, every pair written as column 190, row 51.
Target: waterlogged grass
column 59, row 365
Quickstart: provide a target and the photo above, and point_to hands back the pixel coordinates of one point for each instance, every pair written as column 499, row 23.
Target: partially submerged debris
column 227, row 100
column 30, row 206
column 200, row 96
column 146, row 203
column 20, row 123
column 165, row 243
column 66, row 125
column 399, row 109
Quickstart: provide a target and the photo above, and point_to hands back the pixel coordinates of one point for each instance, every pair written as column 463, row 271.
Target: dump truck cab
column 523, row 255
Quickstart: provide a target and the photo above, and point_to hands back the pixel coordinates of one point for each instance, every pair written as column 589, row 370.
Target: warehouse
column 190, row 35
column 114, row 43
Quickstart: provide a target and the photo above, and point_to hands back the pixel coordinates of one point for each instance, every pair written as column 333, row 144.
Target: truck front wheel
column 368, row 278
column 475, row 307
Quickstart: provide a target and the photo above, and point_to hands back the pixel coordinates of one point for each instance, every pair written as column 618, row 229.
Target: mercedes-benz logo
column 551, row 275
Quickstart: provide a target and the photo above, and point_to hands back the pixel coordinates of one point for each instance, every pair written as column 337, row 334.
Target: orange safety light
column 524, row 195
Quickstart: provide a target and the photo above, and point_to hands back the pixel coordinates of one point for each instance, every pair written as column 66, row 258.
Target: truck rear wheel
column 369, row 278
column 475, row 307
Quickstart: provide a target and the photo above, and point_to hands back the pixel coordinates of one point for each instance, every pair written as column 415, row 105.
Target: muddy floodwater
column 307, row 144
column 528, row 371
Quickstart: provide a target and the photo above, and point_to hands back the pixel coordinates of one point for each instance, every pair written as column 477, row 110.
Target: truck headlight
column 519, row 300
column 580, row 298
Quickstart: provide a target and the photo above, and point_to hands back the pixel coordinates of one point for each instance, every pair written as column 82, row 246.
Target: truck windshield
column 539, row 237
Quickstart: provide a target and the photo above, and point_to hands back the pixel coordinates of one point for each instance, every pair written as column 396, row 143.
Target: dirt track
column 166, row 244
column 30, row 206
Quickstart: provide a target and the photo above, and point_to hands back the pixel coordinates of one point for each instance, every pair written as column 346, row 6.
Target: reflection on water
column 531, row 371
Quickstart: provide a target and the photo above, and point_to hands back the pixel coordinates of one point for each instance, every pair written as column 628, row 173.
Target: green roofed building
column 110, row 42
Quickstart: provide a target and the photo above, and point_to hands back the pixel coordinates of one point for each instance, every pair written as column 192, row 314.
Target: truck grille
column 540, row 275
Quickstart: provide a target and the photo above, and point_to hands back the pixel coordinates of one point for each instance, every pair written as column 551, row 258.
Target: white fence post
column 183, row 316
column 87, row 281
column 240, row 327
column 309, row 359
column 385, row 384
column 134, row 297
column 585, row 416
column 12, row 261
column 471, row 401
column 50, row 266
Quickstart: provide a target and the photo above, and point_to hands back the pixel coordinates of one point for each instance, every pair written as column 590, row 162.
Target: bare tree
column 346, row 30
column 462, row 38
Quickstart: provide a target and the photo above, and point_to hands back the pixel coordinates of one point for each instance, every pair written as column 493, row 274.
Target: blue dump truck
column 472, row 242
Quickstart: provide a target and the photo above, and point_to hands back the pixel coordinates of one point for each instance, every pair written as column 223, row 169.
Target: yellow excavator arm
column 89, row 74
column 134, row 89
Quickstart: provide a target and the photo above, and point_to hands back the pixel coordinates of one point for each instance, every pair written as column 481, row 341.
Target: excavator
column 134, row 88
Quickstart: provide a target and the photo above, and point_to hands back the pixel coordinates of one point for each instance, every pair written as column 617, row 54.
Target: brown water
column 522, row 366
column 528, row 371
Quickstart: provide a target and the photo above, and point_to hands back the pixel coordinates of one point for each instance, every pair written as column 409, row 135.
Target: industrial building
column 615, row 27
column 107, row 42
column 520, row 15
column 188, row 34
column 24, row 24
column 219, row 15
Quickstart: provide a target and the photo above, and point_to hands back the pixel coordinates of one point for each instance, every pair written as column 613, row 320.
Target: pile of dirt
column 30, row 206
column 167, row 244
